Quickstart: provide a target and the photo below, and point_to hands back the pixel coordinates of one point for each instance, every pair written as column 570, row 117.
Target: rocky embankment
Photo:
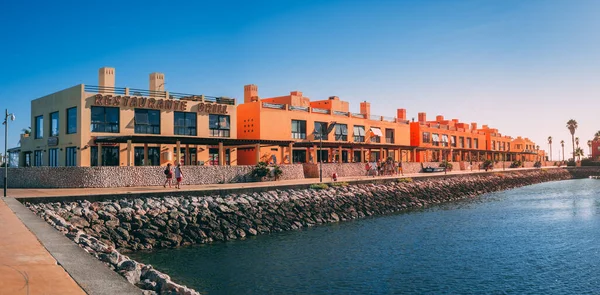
column 139, row 224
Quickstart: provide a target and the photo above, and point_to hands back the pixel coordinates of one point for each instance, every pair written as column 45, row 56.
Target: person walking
column 169, row 175
column 178, row 175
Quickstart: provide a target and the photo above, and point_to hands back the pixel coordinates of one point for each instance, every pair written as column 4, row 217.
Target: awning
column 376, row 131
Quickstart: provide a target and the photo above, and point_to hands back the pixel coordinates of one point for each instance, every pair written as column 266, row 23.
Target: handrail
column 273, row 106
column 157, row 93
column 320, row 111
column 298, row 108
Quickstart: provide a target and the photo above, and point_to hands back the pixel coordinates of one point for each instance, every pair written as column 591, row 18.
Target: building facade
column 322, row 129
column 109, row 126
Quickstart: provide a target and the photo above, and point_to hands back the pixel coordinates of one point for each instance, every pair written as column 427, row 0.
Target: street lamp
column 320, row 156
column 5, row 123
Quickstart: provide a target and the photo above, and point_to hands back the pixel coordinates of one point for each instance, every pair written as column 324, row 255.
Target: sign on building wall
column 52, row 141
column 157, row 104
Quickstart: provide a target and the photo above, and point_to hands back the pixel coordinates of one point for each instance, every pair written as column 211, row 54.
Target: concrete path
column 65, row 192
column 26, row 267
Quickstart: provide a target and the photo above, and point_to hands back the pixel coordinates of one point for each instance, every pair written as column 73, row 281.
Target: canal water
column 539, row 239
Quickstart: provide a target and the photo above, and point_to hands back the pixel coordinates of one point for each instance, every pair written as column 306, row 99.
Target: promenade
column 28, row 267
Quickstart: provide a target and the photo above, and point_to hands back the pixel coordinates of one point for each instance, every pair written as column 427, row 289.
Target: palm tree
column 550, row 143
column 572, row 126
column 577, row 141
column 579, row 153
column 597, row 135
column 590, row 147
column 562, row 143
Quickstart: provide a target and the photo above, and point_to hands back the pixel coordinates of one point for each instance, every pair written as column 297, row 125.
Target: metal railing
column 320, row 111
column 375, row 118
column 273, row 106
column 358, row 115
column 340, row 113
column 298, row 108
column 157, row 94
column 104, row 89
column 388, row 119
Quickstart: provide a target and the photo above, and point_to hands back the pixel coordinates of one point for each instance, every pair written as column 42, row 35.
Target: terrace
column 158, row 94
column 286, row 107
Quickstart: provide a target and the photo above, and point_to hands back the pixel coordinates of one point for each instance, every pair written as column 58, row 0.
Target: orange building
column 352, row 137
column 526, row 149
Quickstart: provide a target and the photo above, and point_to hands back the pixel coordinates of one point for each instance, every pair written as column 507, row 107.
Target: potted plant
column 277, row 172
column 447, row 165
column 260, row 171
column 537, row 164
column 487, row 165
column 26, row 131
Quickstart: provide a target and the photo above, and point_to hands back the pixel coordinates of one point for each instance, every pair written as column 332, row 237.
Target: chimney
column 106, row 77
column 474, row 126
column 250, row 93
column 422, row 118
column 455, row 121
column 439, row 118
column 157, row 82
column 365, row 109
column 401, row 114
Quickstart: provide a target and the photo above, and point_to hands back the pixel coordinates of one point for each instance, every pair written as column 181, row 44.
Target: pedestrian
column 400, row 168
column 368, row 168
column 178, row 175
column 169, row 175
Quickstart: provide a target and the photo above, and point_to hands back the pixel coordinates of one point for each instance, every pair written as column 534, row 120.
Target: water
column 540, row 239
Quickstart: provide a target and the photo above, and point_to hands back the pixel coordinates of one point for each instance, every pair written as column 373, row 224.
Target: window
column 476, row 142
column 185, row 123
column 153, row 156
column 508, row 146
column 435, row 139
column 213, row 156
column 299, row 156
column 444, row 140
column 219, row 125
column 54, row 124
column 341, row 132
column 105, row 119
column 147, row 121
column 37, row 158
column 72, row 120
column 298, row 129
column 493, row 145
column 39, row 127
column 53, row 157
column 389, row 135
column 453, row 141
column 27, row 159
column 461, row 142
column 376, row 134
column 70, row 156
column 359, row 133
column 426, row 138
column 468, row 142
column 110, row 156
column 321, row 129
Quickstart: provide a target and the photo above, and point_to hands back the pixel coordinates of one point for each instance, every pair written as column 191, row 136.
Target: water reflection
column 541, row 239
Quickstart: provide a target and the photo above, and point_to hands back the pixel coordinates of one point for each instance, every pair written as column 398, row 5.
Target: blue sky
column 524, row 67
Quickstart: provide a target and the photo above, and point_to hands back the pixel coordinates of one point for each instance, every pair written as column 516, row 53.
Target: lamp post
column 320, row 156
column 12, row 118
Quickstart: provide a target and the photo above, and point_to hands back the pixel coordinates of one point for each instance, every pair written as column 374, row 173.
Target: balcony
column 157, row 94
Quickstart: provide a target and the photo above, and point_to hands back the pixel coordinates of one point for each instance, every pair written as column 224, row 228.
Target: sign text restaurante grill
column 157, row 104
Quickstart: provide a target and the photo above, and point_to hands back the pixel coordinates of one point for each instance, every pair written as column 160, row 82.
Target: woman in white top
column 178, row 175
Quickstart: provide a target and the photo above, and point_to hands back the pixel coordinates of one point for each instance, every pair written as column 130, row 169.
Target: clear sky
column 524, row 67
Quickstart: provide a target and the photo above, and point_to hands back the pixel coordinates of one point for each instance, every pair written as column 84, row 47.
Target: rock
column 79, row 222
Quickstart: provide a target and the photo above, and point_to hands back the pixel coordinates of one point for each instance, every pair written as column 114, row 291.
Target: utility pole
column 12, row 118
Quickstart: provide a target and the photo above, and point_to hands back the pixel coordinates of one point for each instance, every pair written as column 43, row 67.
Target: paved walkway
column 54, row 192
column 26, row 267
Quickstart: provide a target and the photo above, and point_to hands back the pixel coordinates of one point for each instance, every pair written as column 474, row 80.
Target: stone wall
column 88, row 177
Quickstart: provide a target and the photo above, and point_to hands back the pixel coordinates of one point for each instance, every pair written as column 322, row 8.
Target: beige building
column 106, row 125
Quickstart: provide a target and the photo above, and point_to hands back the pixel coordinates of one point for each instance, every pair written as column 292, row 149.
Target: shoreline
column 167, row 222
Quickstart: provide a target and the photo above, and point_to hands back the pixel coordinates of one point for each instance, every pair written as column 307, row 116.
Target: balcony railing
column 298, row 108
column 357, row 115
column 273, row 106
column 320, row 111
column 340, row 113
column 156, row 94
